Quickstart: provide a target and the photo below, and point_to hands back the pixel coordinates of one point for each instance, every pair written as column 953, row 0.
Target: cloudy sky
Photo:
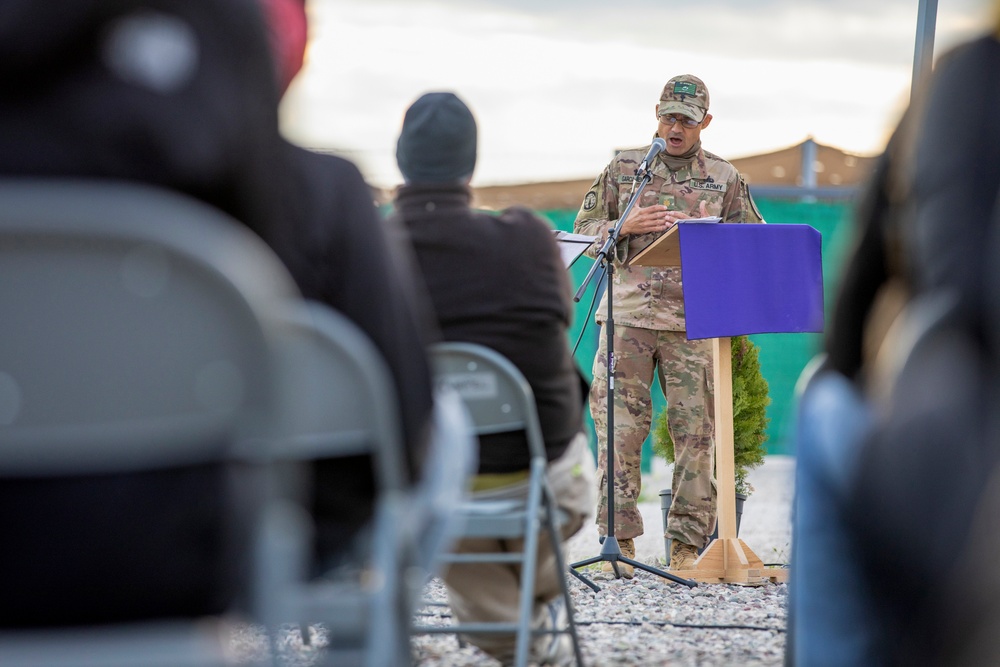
column 557, row 85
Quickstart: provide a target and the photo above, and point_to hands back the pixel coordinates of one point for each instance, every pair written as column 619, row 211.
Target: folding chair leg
column 529, row 571
column 564, row 588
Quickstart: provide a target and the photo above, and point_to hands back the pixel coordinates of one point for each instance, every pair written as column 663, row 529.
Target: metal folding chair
column 337, row 399
column 134, row 337
column 499, row 399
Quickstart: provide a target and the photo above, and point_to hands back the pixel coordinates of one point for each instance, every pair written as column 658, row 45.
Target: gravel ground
column 652, row 621
column 646, row 621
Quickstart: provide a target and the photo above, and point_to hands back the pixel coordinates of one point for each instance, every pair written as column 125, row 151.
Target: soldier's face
column 679, row 139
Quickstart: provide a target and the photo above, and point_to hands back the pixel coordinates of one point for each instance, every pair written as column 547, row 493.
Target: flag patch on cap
column 685, row 88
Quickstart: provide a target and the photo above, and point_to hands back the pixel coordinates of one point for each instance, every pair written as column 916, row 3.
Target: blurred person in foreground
column 897, row 481
column 499, row 281
column 180, row 94
column 649, row 336
column 342, row 254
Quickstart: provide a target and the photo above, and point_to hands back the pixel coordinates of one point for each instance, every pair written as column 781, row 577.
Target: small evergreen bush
column 750, row 401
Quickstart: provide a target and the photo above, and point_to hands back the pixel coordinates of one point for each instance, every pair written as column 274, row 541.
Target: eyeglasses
column 689, row 123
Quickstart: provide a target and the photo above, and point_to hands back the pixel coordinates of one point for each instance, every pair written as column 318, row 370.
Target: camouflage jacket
column 645, row 296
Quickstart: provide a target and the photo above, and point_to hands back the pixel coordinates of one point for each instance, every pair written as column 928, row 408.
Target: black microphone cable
column 599, row 280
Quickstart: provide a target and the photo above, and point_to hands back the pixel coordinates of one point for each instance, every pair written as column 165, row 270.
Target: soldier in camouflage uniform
column 687, row 182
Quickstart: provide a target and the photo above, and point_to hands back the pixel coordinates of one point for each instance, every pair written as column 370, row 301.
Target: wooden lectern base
column 731, row 561
column 728, row 560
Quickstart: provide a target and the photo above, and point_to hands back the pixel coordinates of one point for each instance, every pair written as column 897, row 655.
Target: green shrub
column 750, row 401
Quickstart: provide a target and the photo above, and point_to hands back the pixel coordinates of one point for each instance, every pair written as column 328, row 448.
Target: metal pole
column 809, row 163
column 923, row 52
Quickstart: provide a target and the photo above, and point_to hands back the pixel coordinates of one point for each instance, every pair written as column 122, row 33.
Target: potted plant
column 750, row 401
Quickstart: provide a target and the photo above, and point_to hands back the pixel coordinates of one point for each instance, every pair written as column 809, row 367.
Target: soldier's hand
column 646, row 219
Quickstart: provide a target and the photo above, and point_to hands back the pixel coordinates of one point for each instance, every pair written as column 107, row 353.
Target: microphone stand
column 610, row 550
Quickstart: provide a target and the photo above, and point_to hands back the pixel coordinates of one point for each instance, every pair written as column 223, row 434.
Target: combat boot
column 627, row 547
column 682, row 555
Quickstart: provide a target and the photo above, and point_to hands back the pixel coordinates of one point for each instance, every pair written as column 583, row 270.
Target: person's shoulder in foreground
column 177, row 95
column 341, row 253
column 337, row 249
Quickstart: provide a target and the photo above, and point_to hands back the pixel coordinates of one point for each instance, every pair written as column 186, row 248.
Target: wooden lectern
column 739, row 279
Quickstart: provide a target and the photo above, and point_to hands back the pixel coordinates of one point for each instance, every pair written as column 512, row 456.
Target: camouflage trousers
column 684, row 369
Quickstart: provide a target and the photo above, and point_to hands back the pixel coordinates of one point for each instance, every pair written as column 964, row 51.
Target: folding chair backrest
column 452, row 458
column 132, row 328
column 496, row 394
column 923, row 318
column 337, row 396
column 134, row 337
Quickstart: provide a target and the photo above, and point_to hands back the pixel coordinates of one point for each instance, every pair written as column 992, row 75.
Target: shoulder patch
column 590, row 201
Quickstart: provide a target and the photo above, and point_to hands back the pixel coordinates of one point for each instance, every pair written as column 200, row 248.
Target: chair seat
column 498, row 518
column 491, row 518
column 160, row 644
column 491, row 507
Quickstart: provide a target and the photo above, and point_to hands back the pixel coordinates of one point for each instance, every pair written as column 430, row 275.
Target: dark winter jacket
column 499, row 281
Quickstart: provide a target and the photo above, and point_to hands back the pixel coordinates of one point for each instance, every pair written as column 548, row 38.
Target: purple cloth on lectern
column 748, row 279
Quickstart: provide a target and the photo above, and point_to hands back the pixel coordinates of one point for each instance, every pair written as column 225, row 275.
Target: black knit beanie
column 438, row 140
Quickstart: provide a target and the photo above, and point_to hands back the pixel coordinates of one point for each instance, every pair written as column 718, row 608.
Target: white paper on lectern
column 571, row 246
column 711, row 218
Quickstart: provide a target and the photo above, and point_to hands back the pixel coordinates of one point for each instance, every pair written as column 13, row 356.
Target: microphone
column 658, row 145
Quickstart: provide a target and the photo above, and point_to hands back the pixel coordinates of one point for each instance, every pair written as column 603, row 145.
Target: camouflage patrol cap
column 684, row 94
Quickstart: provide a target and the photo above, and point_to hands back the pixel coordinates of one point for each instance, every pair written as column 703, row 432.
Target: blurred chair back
column 338, row 399
column 132, row 329
column 452, row 458
column 134, row 337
